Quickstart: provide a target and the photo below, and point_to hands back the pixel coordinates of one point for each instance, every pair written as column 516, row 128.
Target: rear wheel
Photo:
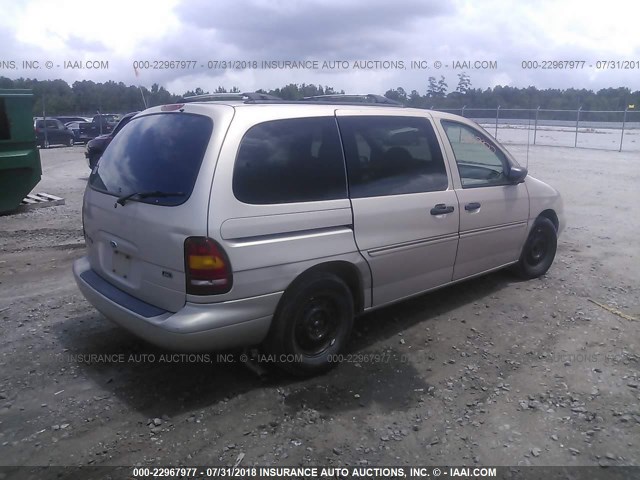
column 70, row 142
column 45, row 144
column 539, row 250
column 312, row 323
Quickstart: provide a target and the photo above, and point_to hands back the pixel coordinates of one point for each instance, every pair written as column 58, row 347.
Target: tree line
column 86, row 97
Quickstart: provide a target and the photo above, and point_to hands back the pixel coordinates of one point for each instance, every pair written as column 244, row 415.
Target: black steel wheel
column 317, row 324
column 312, row 323
column 539, row 250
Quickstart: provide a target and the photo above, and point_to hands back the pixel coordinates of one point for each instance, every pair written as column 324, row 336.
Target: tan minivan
column 230, row 222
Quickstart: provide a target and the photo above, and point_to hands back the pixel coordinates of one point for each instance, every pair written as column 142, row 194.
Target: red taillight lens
column 172, row 108
column 207, row 267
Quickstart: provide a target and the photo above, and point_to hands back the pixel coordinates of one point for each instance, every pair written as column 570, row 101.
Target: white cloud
column 119, row 25
column 508, row 32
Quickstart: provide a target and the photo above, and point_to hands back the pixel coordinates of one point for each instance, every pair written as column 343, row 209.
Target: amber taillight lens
column 207, row 267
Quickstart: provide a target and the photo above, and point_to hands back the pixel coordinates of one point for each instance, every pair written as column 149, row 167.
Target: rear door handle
column 472, row 206
column 441, row 209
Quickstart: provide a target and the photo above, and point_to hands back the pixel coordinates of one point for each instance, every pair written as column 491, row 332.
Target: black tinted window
column 295, row 160
column 155, row 153
column 391, row 156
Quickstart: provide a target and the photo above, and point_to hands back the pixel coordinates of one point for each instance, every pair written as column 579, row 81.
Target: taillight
column 172, row 108
column 207, row 267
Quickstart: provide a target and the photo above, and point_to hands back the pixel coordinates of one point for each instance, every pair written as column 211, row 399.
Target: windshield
column 161, row 152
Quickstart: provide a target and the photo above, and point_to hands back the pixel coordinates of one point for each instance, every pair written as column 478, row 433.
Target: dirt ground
column 494, row 371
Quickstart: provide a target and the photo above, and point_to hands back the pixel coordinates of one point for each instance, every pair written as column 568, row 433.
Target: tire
column 539, row 250
column 312, row 323
column 70, row 142
column 45, row 144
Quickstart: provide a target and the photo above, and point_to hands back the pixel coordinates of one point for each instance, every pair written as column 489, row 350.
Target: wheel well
column 551, row 215
column 347, row 272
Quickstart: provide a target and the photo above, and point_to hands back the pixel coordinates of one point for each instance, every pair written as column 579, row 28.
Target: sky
column 502, row 34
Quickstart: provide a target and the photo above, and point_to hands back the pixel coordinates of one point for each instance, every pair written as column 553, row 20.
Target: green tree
column 437, row 88
column 415, row 99
column 442, row 87
column 432, row 89
column 398, row 94
column 85, row 97
column 464, row 83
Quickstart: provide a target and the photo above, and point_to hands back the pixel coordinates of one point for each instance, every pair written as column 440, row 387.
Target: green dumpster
column 20, row 168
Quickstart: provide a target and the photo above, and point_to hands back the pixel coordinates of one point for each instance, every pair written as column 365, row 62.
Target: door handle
column 441, row 209
column 472, row 206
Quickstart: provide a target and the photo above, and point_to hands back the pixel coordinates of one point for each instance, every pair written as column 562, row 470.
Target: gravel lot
column 494, row 371
column 559, row 136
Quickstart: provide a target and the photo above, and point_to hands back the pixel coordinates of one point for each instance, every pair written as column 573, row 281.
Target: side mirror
column 517, row 174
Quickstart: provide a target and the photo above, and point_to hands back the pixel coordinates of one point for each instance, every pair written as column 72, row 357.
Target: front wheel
column 312, row 324
column 539, row 250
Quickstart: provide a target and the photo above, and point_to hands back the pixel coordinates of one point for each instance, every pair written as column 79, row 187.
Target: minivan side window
column 292, row 160
column 388, row 155
column 480, row 162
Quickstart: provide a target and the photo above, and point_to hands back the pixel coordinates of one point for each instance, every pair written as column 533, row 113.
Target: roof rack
column 354, row 98
column 246, row 97
column 255, row 97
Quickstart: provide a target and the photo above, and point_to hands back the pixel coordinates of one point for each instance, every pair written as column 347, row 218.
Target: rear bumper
column 195, row 327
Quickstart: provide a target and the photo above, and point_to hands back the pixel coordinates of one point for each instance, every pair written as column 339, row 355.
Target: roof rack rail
column 246, row 97
column 353, row 98
column 255, row 97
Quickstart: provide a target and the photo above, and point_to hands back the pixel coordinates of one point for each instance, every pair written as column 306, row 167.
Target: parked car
column 96, row 146
column 100, row 124
column 72, row 123
column 108, row 121
column 66, row 120
column 259, row 222
column 52, row 132
column 78, row 137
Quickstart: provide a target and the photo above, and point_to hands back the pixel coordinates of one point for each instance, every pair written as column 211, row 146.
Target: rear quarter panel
column 270, row 245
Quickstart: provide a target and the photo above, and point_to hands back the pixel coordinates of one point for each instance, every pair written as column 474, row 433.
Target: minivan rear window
column 155, row 153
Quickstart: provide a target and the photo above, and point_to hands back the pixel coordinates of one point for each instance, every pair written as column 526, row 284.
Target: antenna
column 144, row 101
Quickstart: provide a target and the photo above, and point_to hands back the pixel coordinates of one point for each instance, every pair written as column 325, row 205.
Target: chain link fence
column 597, row 129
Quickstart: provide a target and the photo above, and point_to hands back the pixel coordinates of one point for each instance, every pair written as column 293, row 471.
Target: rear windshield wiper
column 156, row 193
